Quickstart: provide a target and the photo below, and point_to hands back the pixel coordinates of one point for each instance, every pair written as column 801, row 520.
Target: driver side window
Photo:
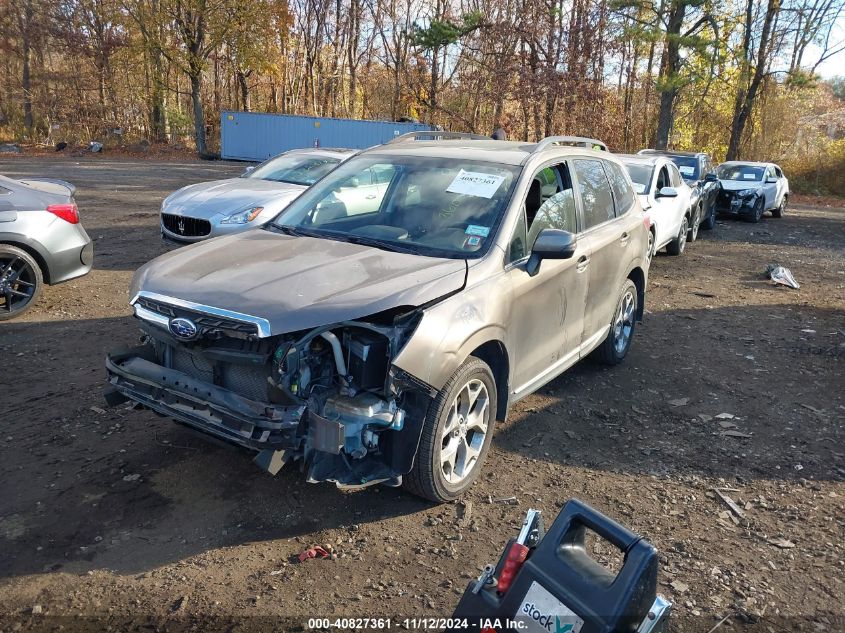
column 662, row 178
column 549, row 203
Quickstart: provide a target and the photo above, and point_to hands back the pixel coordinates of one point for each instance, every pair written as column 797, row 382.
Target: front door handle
column 624, row 238
column 582, row 263
column 372, row 196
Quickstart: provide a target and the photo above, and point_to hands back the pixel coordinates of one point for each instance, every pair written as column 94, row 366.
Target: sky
column 834, row 66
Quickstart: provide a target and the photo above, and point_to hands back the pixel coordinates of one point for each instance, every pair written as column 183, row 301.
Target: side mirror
column 771, row 181
column 248, row 170
column 353, row 182
column 667, row 192
column 551, row 244
column 711, row 177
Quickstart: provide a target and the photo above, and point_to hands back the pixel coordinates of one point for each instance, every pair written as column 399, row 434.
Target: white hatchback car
column 666, row 199
column 750, row 189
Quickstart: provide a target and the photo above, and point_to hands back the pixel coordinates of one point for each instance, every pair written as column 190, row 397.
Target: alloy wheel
column 623, row 324
column 464, row 432
column 18, row 283
column 650, row 251
column 694, row 228
column 682, row 235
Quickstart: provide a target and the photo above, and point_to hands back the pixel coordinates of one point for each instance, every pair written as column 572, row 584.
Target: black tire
column 677, row 246
column 778, row 213
column 21, row 281
column 427, row 478
column 693, row 229
column 757, row 213
column 610, row 352
column 710, row 223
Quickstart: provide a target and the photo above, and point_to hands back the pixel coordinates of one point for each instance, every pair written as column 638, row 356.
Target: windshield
column 297, row 169
column 687, row 165
column 740, row 172
column 641, row 177
column 431, row 206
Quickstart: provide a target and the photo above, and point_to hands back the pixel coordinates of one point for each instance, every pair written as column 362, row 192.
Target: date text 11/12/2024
column 429, row 624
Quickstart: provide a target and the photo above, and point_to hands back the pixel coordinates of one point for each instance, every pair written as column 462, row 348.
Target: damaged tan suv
column 381, row 342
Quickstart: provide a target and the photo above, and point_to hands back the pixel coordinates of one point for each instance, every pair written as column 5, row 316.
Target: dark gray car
column 41, row 240
column 382, row 345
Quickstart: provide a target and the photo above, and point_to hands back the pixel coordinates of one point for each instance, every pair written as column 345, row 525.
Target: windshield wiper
column 295, row 230
column 375, row 243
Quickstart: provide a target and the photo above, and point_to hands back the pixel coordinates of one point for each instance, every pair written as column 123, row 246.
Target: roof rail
column 436, row 135
column 575, row 141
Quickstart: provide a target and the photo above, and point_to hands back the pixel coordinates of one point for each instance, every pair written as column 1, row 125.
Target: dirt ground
column 116, row 518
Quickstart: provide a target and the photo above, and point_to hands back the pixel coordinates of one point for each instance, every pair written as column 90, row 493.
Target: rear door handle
column 582, row 263
column 624, row 238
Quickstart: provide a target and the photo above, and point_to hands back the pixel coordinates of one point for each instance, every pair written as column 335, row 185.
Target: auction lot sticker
column 473, row 183
column 541, row 612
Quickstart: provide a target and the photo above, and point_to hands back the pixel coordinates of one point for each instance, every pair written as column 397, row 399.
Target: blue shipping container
column 256, row 136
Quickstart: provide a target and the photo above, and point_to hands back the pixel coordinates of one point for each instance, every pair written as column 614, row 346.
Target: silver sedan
column 41, row 240
column 222, row 207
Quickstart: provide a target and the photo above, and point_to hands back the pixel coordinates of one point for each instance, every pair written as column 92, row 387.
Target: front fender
column 450, row 331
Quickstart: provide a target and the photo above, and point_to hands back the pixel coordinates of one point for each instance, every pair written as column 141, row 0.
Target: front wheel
column 757, row 212
column 456, row 434
column 21, row 281
column 710, row 223
column 615, row 347
column 677, row 246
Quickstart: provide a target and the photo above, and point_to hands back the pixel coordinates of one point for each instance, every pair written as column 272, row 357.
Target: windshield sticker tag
column 686, row 170
column 749, row 176
column 473, row 241
column 473, row 183
column 474, row 229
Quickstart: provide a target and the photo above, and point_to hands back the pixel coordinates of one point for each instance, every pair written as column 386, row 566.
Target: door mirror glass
column 667, row 192
column 551, row 244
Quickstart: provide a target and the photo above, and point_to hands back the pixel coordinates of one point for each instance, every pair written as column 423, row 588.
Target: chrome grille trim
column 262, row 326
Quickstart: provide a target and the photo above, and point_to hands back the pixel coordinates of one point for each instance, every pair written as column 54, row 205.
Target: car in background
column 222, row 207
column 698, row 172
column 749, row 189
column 41, row 240
column 383, row 346
column 666, row 200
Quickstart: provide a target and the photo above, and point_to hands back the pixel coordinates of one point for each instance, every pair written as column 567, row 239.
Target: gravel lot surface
column 119, row 517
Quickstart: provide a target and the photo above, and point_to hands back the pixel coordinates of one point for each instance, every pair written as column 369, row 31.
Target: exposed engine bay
column 328, row 398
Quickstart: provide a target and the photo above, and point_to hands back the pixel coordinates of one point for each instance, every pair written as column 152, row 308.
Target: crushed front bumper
column 255, row 425
column 276, row 432
column 729, row 203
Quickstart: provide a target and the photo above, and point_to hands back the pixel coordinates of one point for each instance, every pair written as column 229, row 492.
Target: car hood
column 298, row 283
column 739, row 185
column 207, row 199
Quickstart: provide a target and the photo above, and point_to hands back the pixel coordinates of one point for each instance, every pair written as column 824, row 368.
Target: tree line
column 736, row 78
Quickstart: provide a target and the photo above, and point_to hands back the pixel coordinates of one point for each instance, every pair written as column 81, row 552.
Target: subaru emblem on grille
column 181, row 226
column 183, row 329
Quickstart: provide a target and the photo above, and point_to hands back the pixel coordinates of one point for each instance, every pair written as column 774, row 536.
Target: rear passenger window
column 623, row 194
column 595, row 192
